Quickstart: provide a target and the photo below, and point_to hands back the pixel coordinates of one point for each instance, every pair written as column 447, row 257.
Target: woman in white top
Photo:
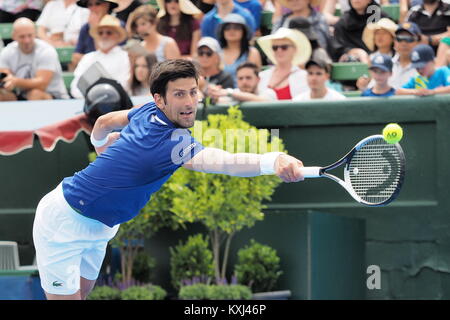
column 142, row 23
column 286, row 49
column 60, row 22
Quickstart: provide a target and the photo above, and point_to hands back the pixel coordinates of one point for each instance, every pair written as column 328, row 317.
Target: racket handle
column 310, row 172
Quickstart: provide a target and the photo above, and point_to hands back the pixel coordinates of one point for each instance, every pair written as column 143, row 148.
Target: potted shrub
column 191, row 261
column 258, row 266
column 201, row 291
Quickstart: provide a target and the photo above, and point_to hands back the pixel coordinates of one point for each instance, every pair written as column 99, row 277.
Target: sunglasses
column 106, row 33
column 205, row 53
column 91, row 4
column 169, row 1
column 232, row 26
column 283, row 47
column 405, row 38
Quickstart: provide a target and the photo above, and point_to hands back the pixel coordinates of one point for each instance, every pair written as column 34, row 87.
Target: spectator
column 11, row 10
column 317, row 78
column 433, row 18
column 247, row 90
column 60, row 22
column 209, row 55
column 212, row 19
column 329, row 8
column 303, row 25
column 107, row 35
column 32, row 66
column 254, row 7
column 380, row 70
column 234, row 38
column 348, row 30
column 124, row 9
column 430, row 80
column 97, row 10
column 303, row 8
column 286, row 48
column 406, row 38
column 177, row 19
column 142, row 23
column 140, row 75
column 379, row 36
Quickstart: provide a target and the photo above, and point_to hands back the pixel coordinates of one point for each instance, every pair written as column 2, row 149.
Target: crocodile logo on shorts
column 57, row 284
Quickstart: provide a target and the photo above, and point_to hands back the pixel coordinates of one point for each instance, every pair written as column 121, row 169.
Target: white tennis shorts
column 68, row 245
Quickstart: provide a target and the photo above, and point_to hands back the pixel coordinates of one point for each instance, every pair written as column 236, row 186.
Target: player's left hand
column 112, row 137
column 288, row 168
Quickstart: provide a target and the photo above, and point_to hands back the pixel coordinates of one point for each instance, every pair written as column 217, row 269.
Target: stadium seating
column 266, row 20
column 68, row 77
column 65, row 54
column 348, row 70
column 6, row 30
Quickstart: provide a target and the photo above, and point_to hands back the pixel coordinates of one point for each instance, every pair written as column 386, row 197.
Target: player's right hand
column 288, row 168
column 112, row 137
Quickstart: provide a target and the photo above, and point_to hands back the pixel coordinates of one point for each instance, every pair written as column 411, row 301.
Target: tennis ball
column 392, row 133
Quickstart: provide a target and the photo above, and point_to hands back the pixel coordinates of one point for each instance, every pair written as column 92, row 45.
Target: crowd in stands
column 240, row 56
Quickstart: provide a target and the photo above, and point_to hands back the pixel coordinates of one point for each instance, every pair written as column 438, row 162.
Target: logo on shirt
column 187, row 149
column 415, row 56
column 57, row 284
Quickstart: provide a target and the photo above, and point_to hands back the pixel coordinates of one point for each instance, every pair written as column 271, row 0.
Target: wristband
column 98, row 143
column 267, row 162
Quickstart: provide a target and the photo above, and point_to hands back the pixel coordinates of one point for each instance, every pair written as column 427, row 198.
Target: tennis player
column 75, row 221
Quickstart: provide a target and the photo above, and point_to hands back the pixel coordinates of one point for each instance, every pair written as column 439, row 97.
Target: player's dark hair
column 170, row 70
column 249, row 65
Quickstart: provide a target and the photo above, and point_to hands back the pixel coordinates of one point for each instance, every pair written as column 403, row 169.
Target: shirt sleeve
column 48, row 60
column 409, row 84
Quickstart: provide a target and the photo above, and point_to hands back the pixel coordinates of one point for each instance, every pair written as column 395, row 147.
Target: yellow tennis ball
column 392, row 133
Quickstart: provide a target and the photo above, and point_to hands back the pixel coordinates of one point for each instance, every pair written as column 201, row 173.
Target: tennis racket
column 373, row 174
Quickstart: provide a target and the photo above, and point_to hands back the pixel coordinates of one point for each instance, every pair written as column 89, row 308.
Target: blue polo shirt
column 211, row 20
column 370, row 93
column 118, row 184
column 440, row 78
column 255, row 8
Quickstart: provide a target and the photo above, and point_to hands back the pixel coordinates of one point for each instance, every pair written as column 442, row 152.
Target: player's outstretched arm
column 212, row 160
column 102, row 135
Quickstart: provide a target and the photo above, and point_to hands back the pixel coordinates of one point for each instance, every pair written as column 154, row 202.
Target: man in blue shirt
column 75, row 221
column 430, row 80
column 222, row 8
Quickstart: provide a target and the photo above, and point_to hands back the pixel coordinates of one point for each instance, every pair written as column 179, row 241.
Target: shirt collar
column 160, row 118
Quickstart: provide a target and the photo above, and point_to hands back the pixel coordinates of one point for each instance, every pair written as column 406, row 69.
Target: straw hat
column 112, row 22
column 301, row 42
column 186, row 6
column 112, row 3
column 312, row 3
column 368, row 35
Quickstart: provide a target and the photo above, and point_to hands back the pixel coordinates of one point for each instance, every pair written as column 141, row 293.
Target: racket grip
column 310, row 172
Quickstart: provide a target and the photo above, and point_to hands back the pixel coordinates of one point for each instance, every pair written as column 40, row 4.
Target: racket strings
column 375, row 171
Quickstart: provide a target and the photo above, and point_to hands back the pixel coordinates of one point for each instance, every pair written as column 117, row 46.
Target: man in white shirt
column 107, row 35
column 30, row 67
column 318, row 73
column 60, row 22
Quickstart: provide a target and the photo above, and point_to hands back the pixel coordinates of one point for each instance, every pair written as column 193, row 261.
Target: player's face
column 180, row 103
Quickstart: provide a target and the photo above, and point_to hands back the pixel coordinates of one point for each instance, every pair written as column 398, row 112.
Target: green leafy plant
column 258, row 266
column 224, row 204
column 143, row 266
column 104, row 293
column 149, row 292
column 203, row 291
column 191, row 260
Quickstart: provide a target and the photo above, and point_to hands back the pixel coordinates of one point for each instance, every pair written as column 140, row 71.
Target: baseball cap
column 211, row 43
column 409, row 27
column 320, row 63
column 421, row 55
column 381, row 61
